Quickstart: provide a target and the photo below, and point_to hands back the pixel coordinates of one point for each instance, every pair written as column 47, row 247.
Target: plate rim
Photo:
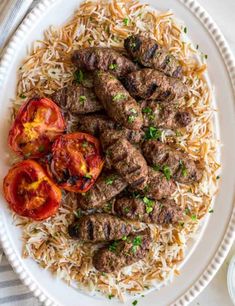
column 209, row 24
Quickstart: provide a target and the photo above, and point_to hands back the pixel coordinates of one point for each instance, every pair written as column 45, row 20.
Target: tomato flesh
column 30, row 192
column 76, row 161
column 37, row 124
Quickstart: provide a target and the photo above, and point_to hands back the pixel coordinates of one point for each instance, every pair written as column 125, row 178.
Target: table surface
column 216, row 293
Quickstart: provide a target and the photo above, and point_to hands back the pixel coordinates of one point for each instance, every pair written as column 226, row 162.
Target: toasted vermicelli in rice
column 47, row 68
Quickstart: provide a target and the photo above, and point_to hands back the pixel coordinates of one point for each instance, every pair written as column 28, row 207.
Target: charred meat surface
column 171, row 161
column 164, row 116
column 95, row 123
column 77, row 99
column 150, row 54
column 117, row 102
column 95, row 58
column 128, row 162
column 151, row 84
column 107, row 186
column 99, row 227
column 123, row 252
column 159, row 186
column 148, row 211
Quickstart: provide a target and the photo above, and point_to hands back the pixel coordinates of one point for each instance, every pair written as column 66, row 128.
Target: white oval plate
column 218, row 235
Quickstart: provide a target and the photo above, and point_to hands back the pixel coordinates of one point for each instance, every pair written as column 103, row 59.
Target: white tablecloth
column 13, row 293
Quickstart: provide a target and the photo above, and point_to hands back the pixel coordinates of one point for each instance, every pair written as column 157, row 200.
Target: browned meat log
column 148, row 211
column 128, row 161
column 98, row 228
column 119, row 105
column 151, row 84
column 77, row 99
column 123, row 253
column 177, row 164
column 107, row 186
column 106, row 59
column 164, row 116
column 159, row 186
column 150, row 54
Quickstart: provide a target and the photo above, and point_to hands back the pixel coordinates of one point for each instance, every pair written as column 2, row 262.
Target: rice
column 48, row 68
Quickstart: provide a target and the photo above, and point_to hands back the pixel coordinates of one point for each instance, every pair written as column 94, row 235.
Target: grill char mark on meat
column 151, row 84
column 127, row 160
column 183, row 168
column 77, row 99
column 106, row 59
column 164, row 116
column 107, row 186
column 120, row 106
column 99, row 227
column 149, row 54
column 124, row 253
column 163, row 212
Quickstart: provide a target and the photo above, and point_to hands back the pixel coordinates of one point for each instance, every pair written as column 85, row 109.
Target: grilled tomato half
column 36, row 125
column 30, row 192
column 76, row 161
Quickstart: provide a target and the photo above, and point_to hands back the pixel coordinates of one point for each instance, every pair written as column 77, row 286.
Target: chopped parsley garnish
column 156, row 167
column 211, row 211
column 135, row 303
column 185, row 30
column 126, row 21
column 82, row 99
column 84, row 144
column 119, row 96
column 110, row 296
column 187, row 211
column 110, row 179
column 167, row 172
column 137, row 241
column 41, row 148
column 126, row 210
column 108, row 207
column 113, row 246
column 78, row 76
column 153, row 133
column 217, row 177
column 194, row 217
column 22, row 96
column 178, row 133
column 183, row 168
column 132, row 45
column 149, row 205
column 124, row 238
column 113, row 66
column 78, row 213
column 88, row 176
column 131, row 118
column 147, row 110
column 90, row 40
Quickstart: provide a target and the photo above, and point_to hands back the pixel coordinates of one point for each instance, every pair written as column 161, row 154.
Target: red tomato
column 76, row 161
column 36, row 125
column 30, row 192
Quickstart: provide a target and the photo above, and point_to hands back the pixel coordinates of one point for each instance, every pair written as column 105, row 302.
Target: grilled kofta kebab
column 152, row 84
column 148, row 211
column 117, row 102
column 99, row 227
column 77, row 99
column 106, row 59
column 180, row 166
column 122, row 253
column 150, row 54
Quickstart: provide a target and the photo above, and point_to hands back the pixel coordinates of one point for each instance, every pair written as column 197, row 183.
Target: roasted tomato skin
column 76, row 161
column 38, row 122
column 30, row 192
